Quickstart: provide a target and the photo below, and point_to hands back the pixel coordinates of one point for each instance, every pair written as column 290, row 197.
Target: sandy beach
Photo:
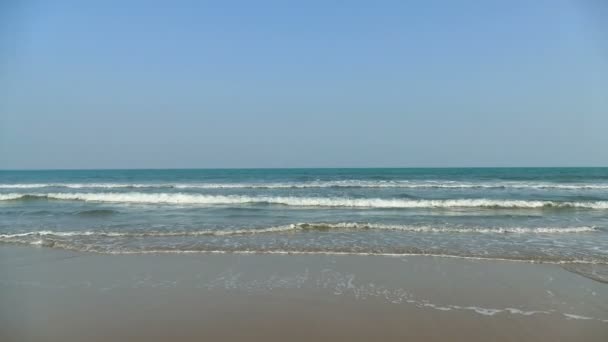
column 54, row 295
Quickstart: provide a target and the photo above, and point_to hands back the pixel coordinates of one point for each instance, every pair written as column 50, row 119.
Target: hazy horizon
column 314, row 168
column 109, row 85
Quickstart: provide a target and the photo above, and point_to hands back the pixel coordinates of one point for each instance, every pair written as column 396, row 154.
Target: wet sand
column 54, row 295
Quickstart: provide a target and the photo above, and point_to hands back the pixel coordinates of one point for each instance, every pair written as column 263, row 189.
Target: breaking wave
column 182, row 198
column 310, row 227
column 119, row 242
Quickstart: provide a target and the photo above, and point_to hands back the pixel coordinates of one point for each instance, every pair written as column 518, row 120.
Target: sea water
column 553, row 215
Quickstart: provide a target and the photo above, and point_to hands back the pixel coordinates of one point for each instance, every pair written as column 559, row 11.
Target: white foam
column 48, row 233
column 484, row 311
column 485, row 230
column 309, row 226
column 573, row 316
column 514, row 311
column 183, row 198
column 8, row 197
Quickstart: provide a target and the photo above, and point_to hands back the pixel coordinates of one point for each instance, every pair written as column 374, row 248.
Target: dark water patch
column 26, row 212
column 27, row 198
column 406, row 195
column 97, row 212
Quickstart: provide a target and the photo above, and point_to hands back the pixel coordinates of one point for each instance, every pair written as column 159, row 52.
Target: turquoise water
column 530, row 214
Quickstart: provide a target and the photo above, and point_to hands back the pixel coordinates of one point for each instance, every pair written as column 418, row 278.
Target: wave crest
column 310, row 227
column 182, row 198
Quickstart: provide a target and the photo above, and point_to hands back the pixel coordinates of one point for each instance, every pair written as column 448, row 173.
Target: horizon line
column 304, row 168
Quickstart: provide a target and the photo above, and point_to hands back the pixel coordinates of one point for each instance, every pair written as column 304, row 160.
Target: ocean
column 548, row 215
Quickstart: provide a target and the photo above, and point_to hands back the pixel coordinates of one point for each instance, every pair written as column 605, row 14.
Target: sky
column 213, row 84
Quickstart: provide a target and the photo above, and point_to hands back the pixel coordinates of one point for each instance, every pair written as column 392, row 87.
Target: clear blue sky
column 145, row 84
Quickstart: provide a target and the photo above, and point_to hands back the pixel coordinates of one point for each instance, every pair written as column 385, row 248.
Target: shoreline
column 41, row 244
column 258, row 296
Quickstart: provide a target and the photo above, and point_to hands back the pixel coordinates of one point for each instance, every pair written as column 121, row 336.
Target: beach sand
column 55, row 295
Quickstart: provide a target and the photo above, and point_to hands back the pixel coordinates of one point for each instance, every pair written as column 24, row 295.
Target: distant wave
column 183, row 198
column 82, row 185
column 309, row 227
column 320, row 184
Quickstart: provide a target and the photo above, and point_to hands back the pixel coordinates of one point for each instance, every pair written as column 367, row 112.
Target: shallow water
column 557, row 215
